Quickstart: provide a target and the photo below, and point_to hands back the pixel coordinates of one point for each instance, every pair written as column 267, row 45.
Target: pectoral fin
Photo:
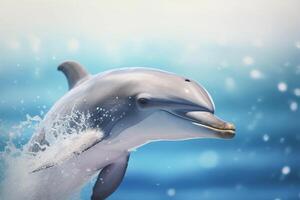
column 110, row 178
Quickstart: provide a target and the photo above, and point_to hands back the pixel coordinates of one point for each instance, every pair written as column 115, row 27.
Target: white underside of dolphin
column 122, row 110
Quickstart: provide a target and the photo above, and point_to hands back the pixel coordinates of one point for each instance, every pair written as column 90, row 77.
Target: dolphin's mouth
column 209, row 121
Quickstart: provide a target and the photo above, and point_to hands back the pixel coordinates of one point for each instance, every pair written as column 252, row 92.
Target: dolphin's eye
column 187, row 80
column 143, row 101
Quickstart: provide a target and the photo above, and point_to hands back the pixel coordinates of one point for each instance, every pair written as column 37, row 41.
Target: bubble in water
column 281, row 140
column 230, row 83
column 297, row 44
column 248, row 60
column 171, row 192
column 208, row 159
column 256, row 74
column 288, row 150
column 282, row 86
column 293, row 106
column 285, row 170
column 266, row 137
column 297, row 92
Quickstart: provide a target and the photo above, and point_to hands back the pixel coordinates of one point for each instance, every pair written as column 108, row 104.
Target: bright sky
column 207, row 20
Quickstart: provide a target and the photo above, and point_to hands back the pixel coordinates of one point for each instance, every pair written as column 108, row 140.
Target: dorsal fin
column 73, row 71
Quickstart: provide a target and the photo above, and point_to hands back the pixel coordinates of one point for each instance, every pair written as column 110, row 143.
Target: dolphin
column 127, row 108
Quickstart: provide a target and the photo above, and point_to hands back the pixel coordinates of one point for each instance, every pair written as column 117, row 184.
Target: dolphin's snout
column 229, row 131
column 220, row 128
column 226, row 130
column 229, row 126
column 222, row 125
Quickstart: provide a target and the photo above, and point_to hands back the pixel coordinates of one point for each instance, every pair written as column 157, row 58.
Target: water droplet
column 171, row 192
column 285, row 170
column 293, row 106
column 208, row 159
column 248, row 60
column 266, row 137
column 297, row 44
column 256, row 74
column 230, row 83
column 282, row 86
column 297, row 92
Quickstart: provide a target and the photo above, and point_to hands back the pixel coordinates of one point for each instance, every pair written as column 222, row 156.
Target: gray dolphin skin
column 130, row 107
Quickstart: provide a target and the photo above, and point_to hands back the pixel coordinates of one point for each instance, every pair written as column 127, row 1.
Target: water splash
column 64, row 141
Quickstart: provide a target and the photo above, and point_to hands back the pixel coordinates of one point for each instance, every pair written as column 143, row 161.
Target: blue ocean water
column 257, row 88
